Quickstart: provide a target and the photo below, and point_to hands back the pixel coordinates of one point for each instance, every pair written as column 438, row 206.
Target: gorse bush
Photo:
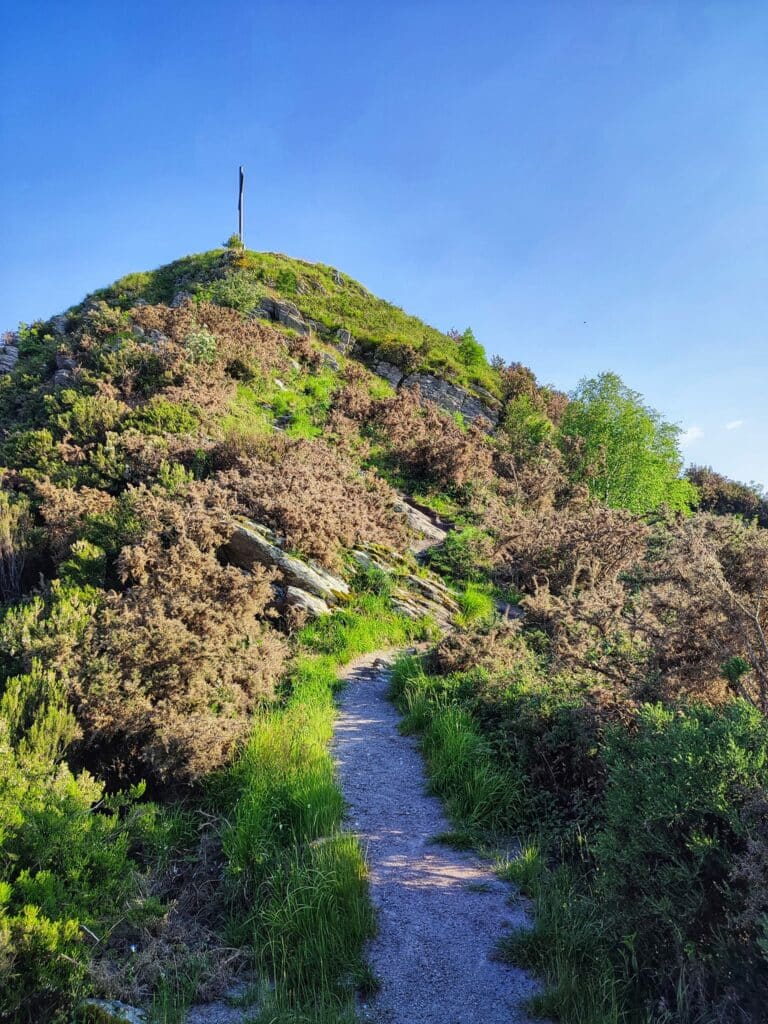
column 429, row 446
column 674, row 790
column 313, row 495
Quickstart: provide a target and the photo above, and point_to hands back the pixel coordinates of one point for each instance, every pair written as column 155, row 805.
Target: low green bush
column 676, row 784
column 159, row 416
column 66, row 872
column 464, row 556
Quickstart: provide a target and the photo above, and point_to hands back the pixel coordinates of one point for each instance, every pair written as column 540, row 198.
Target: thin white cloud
column 734, row 425
column 691, row 434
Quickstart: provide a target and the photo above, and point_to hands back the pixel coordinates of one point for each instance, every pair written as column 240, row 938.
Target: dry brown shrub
column 708, row 604
column 66, row 510
column 750, row 869
column 145, row 454
column 303, row 351
column 430, row 445
column 177, row 661
column 569, row 551
column 569, row 563
column 249, row 343
column 496, row 648
column 353, row 398
column 535, row 482
column 312, row 494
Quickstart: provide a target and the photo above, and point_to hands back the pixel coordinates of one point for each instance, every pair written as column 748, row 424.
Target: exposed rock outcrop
column 413, row 595
column 429, row 531
column 251, row 543
column 111, row 1011
column 9, row 352
column 345, row 341
column 447, row 396
column 285, row 313
column 302, row 601
column 451, row 397
column 389, row 372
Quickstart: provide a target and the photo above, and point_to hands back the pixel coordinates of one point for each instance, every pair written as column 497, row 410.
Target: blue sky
column 584, row 183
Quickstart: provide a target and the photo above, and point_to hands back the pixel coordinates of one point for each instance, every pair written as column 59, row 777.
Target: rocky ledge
column 308, row 585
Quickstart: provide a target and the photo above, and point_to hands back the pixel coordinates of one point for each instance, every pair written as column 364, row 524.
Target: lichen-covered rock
column 285, row 313
column 420, row 523
column 451, row 397
column 302, row 601
column 345, row 341
column 413, row 596
column 251, row 543
column 389, row 372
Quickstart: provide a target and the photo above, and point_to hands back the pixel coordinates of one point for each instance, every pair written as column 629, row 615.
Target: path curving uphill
column 440, row 911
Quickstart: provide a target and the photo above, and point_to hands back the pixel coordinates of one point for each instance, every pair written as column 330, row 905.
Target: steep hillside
column 224, row 479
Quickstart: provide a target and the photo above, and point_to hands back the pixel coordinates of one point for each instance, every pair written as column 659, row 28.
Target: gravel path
column 440, row 911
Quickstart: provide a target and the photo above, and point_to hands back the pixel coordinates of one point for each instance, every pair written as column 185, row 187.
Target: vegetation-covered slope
column 241, row 279
column 620, row 723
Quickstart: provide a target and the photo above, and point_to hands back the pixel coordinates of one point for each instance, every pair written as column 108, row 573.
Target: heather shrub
column 179, row 658
column 86, row 417
column 17, row 537
column 429, row 446
column 229, row 340
column 238, row 291
column 164, row 670
column 314, row 496
column 704, row 609
column 159, row 416
column 32, row 449
column 571, row 564
column 719, row 494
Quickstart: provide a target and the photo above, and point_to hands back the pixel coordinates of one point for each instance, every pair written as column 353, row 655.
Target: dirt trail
column 440, row 911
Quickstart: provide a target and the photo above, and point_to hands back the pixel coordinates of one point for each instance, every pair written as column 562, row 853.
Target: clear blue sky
column 584, row 183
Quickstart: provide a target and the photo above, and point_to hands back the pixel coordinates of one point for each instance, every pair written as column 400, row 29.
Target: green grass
column 477, row 604
column 481, row 797
column 566, row 947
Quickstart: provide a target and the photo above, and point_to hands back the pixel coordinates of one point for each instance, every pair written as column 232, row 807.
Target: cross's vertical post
column 240, row 208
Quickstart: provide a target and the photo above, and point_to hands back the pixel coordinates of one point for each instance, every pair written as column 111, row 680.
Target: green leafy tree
column 623, row 450
column 471, row 352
